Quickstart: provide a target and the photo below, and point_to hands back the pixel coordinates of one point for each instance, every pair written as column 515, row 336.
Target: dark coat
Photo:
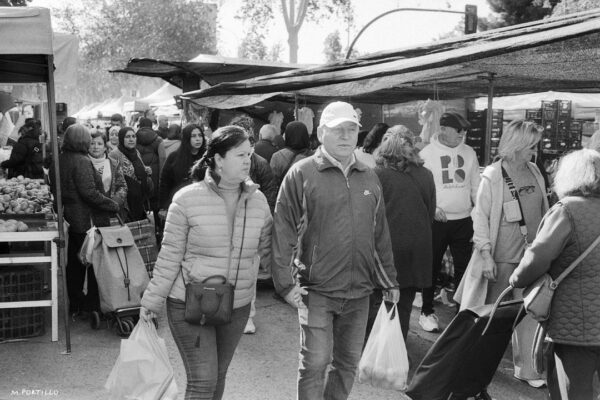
column 265, row 149
column 410, row 208
column 173, row 177
column 260, row 173
column 151, row 149
column 136, row 196
column 26, row 158
column 81, row 198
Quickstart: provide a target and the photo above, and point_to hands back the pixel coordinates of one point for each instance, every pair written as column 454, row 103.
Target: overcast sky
column 393, row 31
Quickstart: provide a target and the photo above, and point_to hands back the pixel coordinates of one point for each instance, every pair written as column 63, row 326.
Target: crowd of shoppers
column 341, row 229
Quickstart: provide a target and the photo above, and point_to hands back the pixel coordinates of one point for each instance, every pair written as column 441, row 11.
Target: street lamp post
column 470, row 13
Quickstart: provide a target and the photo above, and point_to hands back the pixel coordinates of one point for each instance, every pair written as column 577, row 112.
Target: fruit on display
column 24, row 196
column 12, row 225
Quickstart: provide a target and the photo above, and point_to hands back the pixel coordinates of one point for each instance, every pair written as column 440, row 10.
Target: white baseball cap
column 337, row 112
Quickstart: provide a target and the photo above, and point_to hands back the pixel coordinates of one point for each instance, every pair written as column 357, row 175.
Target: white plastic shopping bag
column 143, row 370
column 384, row 362
column 87, row 248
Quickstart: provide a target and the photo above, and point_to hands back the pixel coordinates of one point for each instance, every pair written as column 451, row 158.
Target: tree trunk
column 293, row 43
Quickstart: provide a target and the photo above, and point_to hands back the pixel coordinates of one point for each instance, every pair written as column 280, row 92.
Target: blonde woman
column 500, row 238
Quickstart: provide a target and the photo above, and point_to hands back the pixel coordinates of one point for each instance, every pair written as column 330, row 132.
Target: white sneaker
column 250, row 327
column 429, row 323
column 534, row 383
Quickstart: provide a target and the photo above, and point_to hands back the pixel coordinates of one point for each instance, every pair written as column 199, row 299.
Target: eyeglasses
column 526, row 190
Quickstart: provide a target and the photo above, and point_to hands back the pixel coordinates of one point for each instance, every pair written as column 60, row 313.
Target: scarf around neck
column 102, row 165
column 138, row 166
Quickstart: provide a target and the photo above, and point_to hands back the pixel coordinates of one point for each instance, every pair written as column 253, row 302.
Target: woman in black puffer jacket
column 81, row 200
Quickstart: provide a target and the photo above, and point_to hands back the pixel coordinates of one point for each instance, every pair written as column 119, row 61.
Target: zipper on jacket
column 352, row 255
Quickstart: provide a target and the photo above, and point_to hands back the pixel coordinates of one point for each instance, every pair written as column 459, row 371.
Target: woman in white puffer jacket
column 213, row 227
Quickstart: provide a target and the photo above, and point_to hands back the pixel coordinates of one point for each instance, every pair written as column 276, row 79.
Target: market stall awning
column 209, row 68
column 23, row 58
column 552, row 54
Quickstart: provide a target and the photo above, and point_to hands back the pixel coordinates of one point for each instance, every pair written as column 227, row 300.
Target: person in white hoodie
column 456, row 174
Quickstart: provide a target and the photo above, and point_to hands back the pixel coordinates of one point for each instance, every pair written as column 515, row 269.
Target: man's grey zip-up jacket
column 330, row 231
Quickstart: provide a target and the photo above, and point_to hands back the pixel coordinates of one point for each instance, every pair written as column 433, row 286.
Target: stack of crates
column 556, row 120
column 549, row 116
column 476, row 134
column 575, row 132
column 23, row 283
column 534, row 114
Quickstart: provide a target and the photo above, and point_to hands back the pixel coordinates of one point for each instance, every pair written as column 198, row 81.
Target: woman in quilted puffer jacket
column 567, row 229
column 217, row 226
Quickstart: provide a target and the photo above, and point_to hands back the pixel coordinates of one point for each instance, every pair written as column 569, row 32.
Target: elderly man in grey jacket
column 331, row 247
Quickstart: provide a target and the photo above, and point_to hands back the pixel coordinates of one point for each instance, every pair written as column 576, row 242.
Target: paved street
column 264, row 366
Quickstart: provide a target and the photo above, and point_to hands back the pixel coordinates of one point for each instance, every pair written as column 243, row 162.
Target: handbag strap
column 515, row 195
column 554, row 284
column 241, row 245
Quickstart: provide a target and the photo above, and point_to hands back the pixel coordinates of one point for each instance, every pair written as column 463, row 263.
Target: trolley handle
column 120, row 219
column 497, row 304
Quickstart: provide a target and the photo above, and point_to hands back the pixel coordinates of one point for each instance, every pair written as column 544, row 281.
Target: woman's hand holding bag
column 384, row 362
column 142, row 370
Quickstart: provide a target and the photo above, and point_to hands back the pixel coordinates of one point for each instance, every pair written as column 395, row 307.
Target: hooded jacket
column 197, row 242
column 332, row 228
column 171, row 145
column 152, row 151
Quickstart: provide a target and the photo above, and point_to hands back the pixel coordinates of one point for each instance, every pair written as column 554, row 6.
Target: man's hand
column 294, row 297
column 440, row 215
column 391, row 295
column 146, row 315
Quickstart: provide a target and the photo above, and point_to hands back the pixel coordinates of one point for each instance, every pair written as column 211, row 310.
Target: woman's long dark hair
column 223, row 140
column 373, row 138
column 184, row 159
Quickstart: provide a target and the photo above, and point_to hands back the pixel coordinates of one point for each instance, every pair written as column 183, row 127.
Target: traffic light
column 470, row 19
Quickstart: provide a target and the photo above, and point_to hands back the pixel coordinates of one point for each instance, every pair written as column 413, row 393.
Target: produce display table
column 41, row 235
